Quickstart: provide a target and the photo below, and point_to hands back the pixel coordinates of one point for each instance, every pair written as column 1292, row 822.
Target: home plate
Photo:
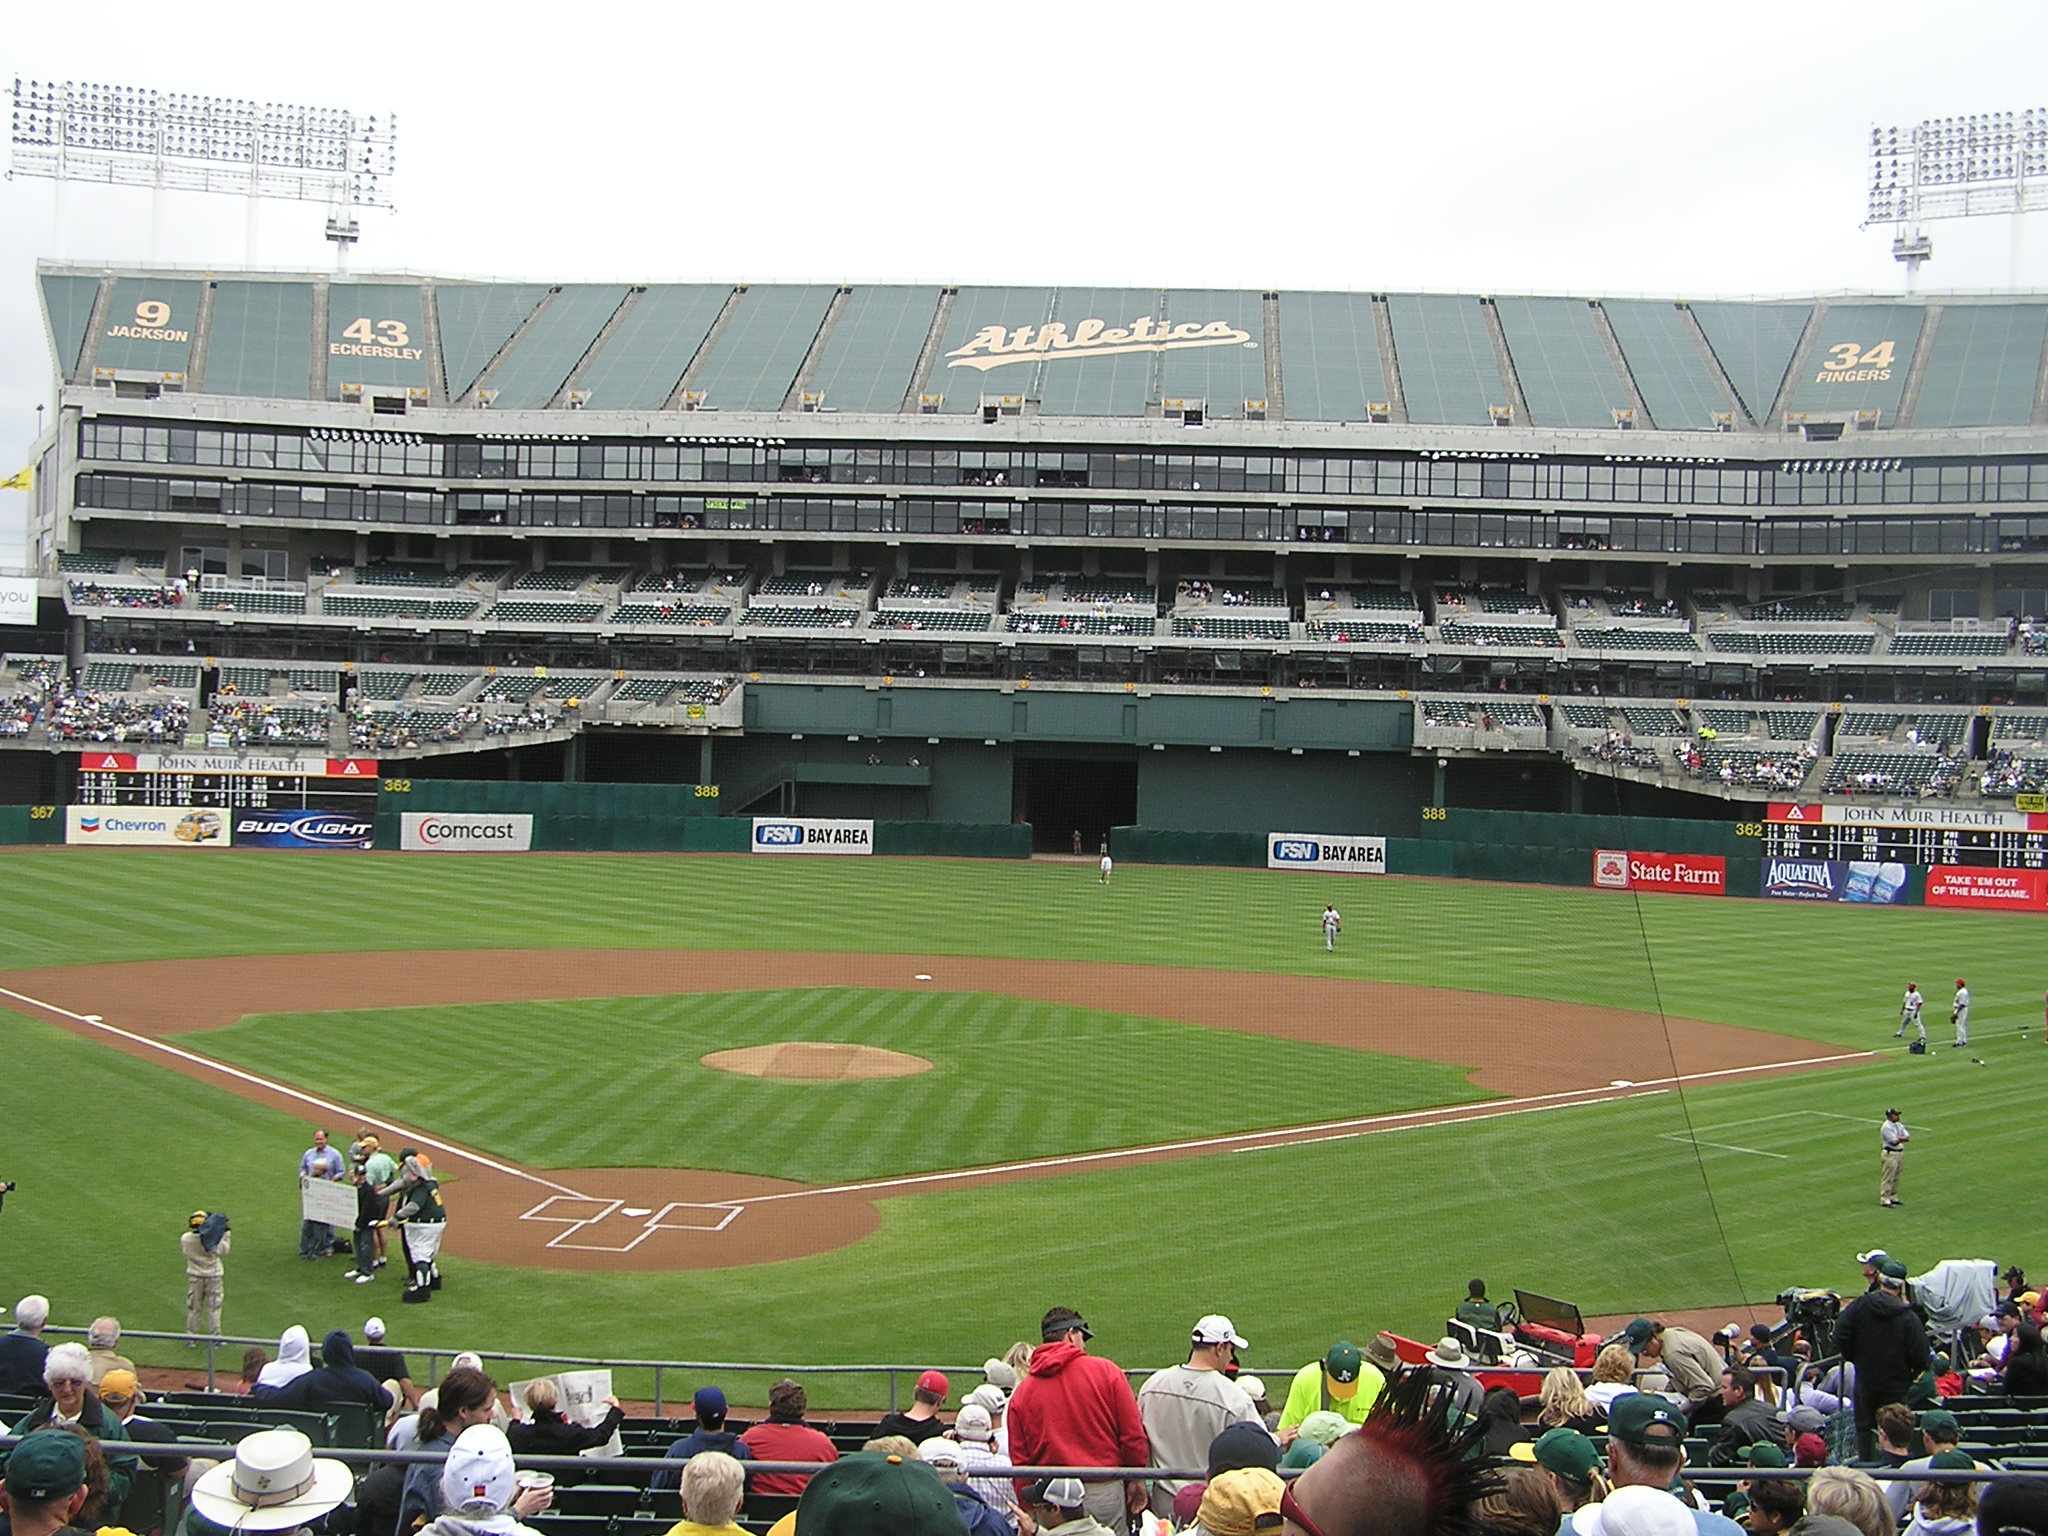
column 637, row 1210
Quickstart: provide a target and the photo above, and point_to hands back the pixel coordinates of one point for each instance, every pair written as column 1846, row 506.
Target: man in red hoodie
column 1074, row 1409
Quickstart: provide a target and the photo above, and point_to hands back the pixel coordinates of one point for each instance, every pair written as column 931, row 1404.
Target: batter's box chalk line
column 577, row 1214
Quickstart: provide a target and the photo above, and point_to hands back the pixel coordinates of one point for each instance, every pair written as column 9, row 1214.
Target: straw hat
column 273, row 1484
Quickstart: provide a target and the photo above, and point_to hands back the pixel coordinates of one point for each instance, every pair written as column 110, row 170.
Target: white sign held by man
column 328, row 1200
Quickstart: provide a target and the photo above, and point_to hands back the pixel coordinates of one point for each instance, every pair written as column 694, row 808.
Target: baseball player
column 1108, row 864
column 1959, row 1013
column 1909, row 1012
column 1333, row 924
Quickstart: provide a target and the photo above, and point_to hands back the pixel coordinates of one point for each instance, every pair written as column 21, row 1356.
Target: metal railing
column 892, row 1374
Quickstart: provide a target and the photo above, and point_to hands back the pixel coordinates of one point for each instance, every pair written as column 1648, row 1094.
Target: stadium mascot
column 421, row 1219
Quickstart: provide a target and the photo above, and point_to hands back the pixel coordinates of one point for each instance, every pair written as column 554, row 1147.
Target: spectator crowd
column 1388, row 1439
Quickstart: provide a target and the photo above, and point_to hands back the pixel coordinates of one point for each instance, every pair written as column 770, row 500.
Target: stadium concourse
column 1870, row 1417
column 1466, row 549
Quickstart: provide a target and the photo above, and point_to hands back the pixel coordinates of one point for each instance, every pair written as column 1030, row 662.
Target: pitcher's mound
column 816, row 1061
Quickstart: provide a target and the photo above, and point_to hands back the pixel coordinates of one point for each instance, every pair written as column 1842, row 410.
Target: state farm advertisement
column 1679, row 874
column 1995, row 890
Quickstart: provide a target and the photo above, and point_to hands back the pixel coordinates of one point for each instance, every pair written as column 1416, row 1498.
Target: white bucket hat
column 273, row 1484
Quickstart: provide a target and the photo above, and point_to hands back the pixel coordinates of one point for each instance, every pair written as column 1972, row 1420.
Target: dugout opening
column 1060, row 796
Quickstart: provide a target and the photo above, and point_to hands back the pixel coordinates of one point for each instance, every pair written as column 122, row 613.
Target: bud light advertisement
column 1871, row 884
column 303, row 829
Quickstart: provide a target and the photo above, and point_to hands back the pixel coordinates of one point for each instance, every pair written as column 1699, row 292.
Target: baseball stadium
column 834, row 819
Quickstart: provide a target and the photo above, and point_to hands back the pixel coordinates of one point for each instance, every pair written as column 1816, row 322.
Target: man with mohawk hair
column 1406, row 1471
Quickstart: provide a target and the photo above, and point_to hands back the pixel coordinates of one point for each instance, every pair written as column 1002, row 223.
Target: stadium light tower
column 129, row 136
column 1989, row 164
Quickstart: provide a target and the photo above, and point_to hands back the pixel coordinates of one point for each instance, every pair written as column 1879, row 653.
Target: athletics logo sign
column 995, row 345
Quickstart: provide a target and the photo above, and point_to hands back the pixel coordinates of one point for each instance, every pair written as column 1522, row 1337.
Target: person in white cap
column 975, row 1436
column 480, row 1492
column 1187, row 1406
column 1634, row 1511
column 273, row 1484
column 1054, row 1507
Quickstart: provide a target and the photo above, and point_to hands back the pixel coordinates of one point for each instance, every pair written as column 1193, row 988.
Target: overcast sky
column 1477, row 148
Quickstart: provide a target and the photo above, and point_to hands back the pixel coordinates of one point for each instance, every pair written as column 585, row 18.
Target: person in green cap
column 1769, row 1505
column 1939, row 1431
column 1343, row 1381
column 1573, row 1463
column 1945, row 1509
column 45, row 1486
column 871, row 1495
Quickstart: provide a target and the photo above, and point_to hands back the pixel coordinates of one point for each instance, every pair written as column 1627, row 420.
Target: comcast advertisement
column 465, row 832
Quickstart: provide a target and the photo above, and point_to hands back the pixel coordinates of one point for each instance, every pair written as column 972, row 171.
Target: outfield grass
column 1601, row 1205
column 1830, row 972
column 616, row 1082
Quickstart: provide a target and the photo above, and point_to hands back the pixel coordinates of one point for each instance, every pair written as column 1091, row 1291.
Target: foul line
column 1243, row 1141
column 329, row 1105
column 1334, row 1130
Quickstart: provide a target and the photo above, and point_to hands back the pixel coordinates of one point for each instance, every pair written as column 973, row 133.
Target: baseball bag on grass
column 1917, row 1048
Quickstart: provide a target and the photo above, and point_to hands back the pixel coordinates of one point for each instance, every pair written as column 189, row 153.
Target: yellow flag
column 25, row 481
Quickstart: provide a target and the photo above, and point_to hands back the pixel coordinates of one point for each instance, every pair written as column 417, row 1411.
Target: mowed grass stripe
column 1594, row 1204
column 1828, row 972
column 623, row 1084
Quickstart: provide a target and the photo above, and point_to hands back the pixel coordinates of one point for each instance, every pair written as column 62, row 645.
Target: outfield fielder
column 1959, row 1013
column 1107, row 865
column 1333, row 924
column 1909, row 1013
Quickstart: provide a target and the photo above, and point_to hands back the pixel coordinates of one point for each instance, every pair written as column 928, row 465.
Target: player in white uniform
column 1959, row 1011
column 1107, row 866
column 1909, row 1012
column 1333, row 924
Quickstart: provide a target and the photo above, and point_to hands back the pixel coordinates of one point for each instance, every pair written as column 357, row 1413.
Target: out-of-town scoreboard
column 1932, row 834
column 227, row 782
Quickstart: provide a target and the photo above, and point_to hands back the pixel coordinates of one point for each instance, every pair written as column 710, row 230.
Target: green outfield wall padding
column 957, row 840
column 497, row 797
column 618, row 832
column 31, row 824
column 1644, row 834
column 1150, row 845
column 1418, row 856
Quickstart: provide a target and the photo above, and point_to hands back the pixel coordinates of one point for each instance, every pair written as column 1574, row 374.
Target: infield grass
column 616, row 1082
column 1611, row 1206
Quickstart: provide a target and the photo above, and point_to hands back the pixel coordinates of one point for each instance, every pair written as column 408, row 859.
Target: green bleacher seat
column 774, row 617
column 352, row 605
column 1363, row 632
column 611, row 1500
column 385, row 685
column 957, row 620
column 1784, row 726
column 1500, row 634
column 1630, row 639
column 516, row 611
column 672, row 611
column 1926, row 643
column 1207, row 626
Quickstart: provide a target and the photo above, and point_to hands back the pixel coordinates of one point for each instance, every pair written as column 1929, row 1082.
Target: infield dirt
column 1527, row 1049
